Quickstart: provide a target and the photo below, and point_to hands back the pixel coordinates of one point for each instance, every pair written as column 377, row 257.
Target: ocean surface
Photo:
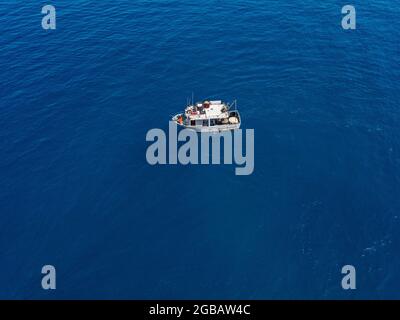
column 77, row 192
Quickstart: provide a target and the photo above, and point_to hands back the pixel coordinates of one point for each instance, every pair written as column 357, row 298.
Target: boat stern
column 178, row 118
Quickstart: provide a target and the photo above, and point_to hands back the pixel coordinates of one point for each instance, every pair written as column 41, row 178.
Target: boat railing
column 232, row 106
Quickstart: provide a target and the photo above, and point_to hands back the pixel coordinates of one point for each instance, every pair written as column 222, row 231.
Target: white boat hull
column 211, row 129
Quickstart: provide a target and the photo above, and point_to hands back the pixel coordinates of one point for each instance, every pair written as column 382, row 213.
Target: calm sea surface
column 76, row 191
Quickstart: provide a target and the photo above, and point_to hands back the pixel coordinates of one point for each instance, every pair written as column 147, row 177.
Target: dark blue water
column 76, row 191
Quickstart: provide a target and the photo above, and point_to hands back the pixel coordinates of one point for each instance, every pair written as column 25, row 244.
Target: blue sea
column 76, row 191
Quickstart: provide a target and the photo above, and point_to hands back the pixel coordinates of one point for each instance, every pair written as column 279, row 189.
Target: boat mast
column 233, row 104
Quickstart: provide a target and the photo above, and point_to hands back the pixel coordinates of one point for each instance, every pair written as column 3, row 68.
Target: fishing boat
column 209, row 116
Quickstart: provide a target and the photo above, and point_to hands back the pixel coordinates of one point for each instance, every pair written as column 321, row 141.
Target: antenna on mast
column 192, row 98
